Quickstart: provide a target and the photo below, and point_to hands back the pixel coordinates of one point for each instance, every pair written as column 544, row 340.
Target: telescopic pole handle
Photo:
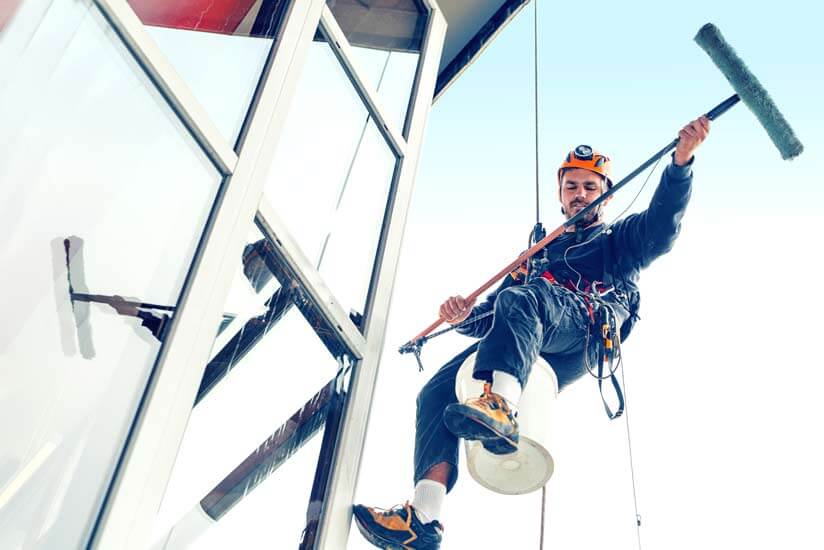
column 723, row 107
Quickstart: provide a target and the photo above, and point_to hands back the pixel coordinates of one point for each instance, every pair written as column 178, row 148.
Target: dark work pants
column 532, row 319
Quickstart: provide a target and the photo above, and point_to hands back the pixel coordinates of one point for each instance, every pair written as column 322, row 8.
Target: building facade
column 203, row 205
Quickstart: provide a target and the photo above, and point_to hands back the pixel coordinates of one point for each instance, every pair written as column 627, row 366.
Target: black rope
column 543, row 514
column 537, row 228
column 537, row 150
column 631, row 464
column 450, row 328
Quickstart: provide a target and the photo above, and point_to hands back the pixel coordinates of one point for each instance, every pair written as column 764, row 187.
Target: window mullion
column 343, row 51
column 169, row 83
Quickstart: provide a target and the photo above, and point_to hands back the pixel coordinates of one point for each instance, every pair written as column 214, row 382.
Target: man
column 546, row 313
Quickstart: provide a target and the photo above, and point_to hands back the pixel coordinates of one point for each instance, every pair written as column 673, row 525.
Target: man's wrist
column 680, row 171
column 680, row 161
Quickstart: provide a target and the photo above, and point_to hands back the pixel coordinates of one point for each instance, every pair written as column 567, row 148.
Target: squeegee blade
column 752, row 93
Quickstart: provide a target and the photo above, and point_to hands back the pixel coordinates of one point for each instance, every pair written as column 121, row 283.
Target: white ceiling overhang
column 472, row 25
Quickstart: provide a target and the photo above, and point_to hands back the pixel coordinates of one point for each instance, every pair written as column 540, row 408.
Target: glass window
column 331, row 176
column 391, row 75
column 382, row 24
column 218, row 48
column 262, row 295
column 249, row 421
column 386, row 38
column 103, row 198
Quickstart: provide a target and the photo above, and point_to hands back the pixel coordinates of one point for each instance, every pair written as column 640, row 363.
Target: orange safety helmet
column 584, row 157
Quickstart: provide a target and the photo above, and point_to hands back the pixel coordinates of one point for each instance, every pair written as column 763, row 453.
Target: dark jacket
column 620, row 253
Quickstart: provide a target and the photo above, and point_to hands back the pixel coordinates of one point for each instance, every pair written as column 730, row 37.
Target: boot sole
column 462, row 422
column 378, row 541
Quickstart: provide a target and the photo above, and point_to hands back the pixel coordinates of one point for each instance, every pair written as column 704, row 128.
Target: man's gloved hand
column 456, row 309
column 690, row 137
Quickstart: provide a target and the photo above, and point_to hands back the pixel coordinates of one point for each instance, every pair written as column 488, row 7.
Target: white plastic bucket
column 530, row 467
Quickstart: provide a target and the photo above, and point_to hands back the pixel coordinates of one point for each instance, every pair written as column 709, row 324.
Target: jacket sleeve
column 479, row 328
column 649, row 234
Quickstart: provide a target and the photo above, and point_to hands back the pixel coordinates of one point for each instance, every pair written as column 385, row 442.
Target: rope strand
column 543, row 514
column 631, row 464
column 538, row 206
column 537, row 150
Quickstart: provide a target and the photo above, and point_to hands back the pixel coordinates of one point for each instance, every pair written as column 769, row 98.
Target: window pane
column 283, row 387
column 331, row 177
column 218, row 47
column 391, row 74
column 104, row 193
column 262, row 295
column 382, row 24
column 386, row 38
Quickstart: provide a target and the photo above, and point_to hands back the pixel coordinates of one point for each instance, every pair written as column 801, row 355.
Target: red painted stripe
column 222, row 16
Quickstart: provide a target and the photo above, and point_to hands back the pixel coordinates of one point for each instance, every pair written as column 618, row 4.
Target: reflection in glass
column 263, row 293
column 255, row 303
column 218, row 48
column 397, row 25
column 331, row 176
column 228, row 504
column 293, row 372
column 103, row 197
column 273, row 515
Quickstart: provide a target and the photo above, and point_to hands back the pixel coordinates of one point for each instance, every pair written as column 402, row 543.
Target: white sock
column 507, row 386
column 429, row 497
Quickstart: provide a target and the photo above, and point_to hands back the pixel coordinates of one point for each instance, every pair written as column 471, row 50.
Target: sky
column 723, row 379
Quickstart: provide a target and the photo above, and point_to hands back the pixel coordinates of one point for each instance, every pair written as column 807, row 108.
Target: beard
column 590, row 218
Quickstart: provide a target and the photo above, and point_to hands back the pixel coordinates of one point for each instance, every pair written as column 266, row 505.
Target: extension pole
column 719, row 110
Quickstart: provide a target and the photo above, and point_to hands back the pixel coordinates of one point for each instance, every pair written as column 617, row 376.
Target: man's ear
column 560, row 200
column 606, row 187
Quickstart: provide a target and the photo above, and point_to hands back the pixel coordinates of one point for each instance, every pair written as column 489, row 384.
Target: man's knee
column 517, row 300
column 511, row 296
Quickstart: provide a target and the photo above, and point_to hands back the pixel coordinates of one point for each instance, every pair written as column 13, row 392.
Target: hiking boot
column 488, row 419
column 398, row 528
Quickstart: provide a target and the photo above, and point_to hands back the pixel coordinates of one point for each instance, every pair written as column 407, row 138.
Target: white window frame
column 146, row 463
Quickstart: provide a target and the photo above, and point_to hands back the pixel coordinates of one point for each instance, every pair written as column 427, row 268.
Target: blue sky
column 623, row 77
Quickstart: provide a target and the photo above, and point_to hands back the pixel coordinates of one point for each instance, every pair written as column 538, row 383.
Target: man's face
column 579, row 188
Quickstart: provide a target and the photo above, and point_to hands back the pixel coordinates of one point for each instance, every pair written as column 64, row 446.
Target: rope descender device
column 415, row 345
column 414, row 348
